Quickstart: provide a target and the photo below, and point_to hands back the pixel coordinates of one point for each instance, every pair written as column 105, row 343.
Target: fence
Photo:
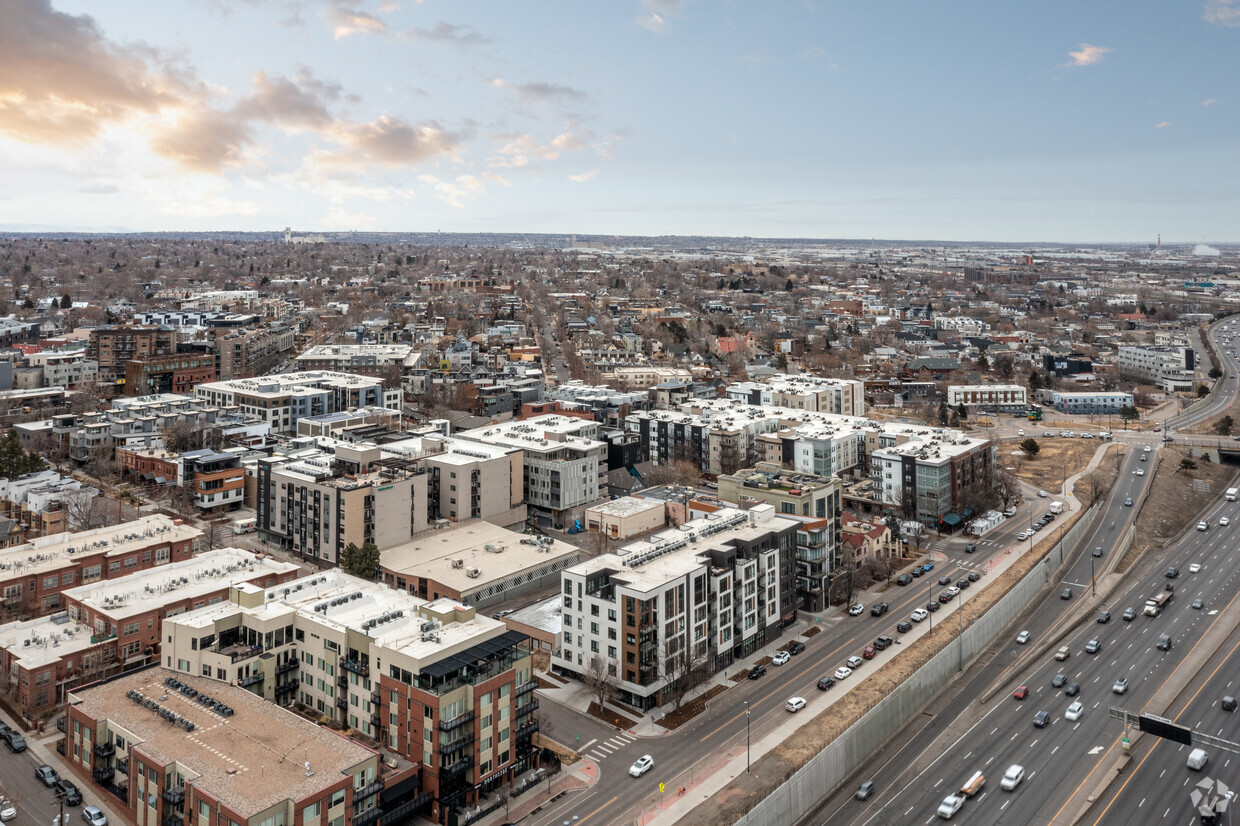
column 802, row 792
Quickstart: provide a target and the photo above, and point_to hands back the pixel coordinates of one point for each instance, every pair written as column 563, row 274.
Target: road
column 36, row 805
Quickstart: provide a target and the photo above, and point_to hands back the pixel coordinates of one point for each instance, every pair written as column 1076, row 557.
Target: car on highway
column 46, row 775
column 1063, row 653
column 854, row 662
column 1172, row 572
column 1093, row 646
column 1098, row 551
column 1066, row 593
column 1224, row 521
column 1130, row 614
column 1201, row 526
column 1164, row 643
column 1041, row 719
column 1058, row 680
column 1072, row 689
column 795, row 704
column 856, row 610
column 757, row 671
column 1075, row 711
column 94, row 816
column 865, row 790
column 1120, row 686
column 1199, row 603
column 932, row 607
column 1022, row 638
column 1104, row 617
column 1139, row 471
column 950, row 805
column 1195, row 568
column 1197, row 759
column 780, row 658
column 796, row 648
column 1128, row 502
column 843, row 672
column 1012, row 777
column 879, row 609
column 825, row 683
column 945, row 580
column 1228, row 703
column 919, row 614
column 1020, row 693
column 1145, row 457
column 641, row 766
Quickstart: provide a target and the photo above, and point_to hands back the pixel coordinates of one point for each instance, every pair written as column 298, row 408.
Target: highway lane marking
column 599, row 809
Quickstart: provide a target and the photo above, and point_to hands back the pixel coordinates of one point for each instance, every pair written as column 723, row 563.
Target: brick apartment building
column 112, row 347
column 174, row 373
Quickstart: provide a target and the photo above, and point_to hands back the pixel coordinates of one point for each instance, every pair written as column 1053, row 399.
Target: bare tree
column 683, row 669
column 1006, row 486
column 600, row 678
column 85, row 508
column 677, row 472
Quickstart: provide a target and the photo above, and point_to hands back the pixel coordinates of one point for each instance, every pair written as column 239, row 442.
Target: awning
column 160, row 480
column 148, row 476
column 951, row 519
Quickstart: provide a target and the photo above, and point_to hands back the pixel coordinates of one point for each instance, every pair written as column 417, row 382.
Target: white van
column 1197, row 759
column 1012, row 778
column 241, row 526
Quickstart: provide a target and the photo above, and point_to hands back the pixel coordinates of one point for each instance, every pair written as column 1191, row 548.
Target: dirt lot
column 1173, row 503
column 1057, row 460
column 731, row 802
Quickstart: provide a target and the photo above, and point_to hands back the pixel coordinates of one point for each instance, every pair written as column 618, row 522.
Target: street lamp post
column 960, row 627
column 746, row 737
column 930, row 599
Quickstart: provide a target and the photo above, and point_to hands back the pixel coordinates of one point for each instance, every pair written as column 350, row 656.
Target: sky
column 1060, row 120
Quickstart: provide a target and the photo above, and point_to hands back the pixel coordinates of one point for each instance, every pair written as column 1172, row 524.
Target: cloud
column 542, row 92
column 99, row 189
column 656, row 15
column 1162, row 125
column 456, row 192
column 387, row 141
column 345, row 20
column 521, row 149
column 206, row 141
column 1222, row 12
column 584, row 176
column 296, row 104
column 1209, row 101
column 62, row 82
column 496, row 178
column 449, row 34
column 1205, row 249
column 1088, row 55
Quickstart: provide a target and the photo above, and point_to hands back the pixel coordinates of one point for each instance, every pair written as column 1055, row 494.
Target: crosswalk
column 611, row 744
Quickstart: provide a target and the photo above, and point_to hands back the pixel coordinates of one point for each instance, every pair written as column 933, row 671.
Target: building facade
column 173, row 373
column 112, row 347
column 282, row 400
column 993, row 396
column 1171, row 368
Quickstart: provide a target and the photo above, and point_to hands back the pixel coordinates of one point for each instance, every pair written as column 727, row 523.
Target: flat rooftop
column 147, row 590
column 254, row 759
column 496, row 552
column 44, row 641
column 55, row 551
column 531, row 434
column 626, row 506
column 305, row 382
column 456, row 451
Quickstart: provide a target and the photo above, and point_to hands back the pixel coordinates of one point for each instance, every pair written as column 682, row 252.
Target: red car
column 869, row 652
column 1021, row 693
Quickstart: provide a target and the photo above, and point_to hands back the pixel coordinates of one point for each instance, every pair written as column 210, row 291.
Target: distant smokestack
column 1160, row 242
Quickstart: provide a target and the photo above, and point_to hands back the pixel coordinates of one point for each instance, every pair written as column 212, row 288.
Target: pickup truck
column 950, row 805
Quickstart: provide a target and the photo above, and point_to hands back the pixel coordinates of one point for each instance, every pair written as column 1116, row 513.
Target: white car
column 856, row 610
column 94, row 816
column 643, row 765
column 1042, row 494
column 780, row 658
column 1023, row 536
column 795, row 704
column 1201, row 526
column 855, row 662
column 919, row 615
column 1022, row 638
column 1074, row 711
column 1139, row 471
column 1012, row 777
column 7, row 810
column 1195, row 568
column 950, row 805
column 843, row 672
column 1224, row 521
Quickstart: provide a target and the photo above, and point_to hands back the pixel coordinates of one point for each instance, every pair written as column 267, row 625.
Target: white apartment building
column 1170, row 367
column 996, row 396
column 706, row 594
column 842, row 396
column 360, row 358
column 281, row 400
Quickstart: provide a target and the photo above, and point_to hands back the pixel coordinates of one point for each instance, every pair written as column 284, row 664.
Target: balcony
column 105, row 749
column 528, row 708
column 361, row 669
column 526, row 730
column 104, row 774
column 368, row 816
column 285, row 687
column 366, row 791
column 525, row 688
column 94, row 638
column 253, row 679
column 174, row 795
column 171, row 819
column 343, row 681
column 342, row 702
column 456, row 769
column 456, row 722
column 449, row 749
column 291, row 665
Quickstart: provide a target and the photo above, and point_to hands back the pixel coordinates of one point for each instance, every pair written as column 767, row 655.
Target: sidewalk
column 583, row 775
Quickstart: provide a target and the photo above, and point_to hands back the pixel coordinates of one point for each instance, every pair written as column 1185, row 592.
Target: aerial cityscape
column 491, row 413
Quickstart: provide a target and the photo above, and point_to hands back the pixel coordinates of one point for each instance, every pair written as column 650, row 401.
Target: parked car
column 932, row 607
column 94, row 816
column 856, row 610
column 14, row 740
column 825, row 683
column 903, row 579
column 843, row 672
column 919, row 614
column 795, row 704
column 904, row 626
column 780, row 658
column 757, row 671
column 7, row 810
column 883, row 642
column 962, row 583
column 66, row 789
column 869, row 652
column 796, row 648
column 854, row 662
column 46, row 775
column 973, row 576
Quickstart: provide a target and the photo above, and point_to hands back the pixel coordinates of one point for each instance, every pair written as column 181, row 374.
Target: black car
column 1164, row 643
column 1072, row 690
column 945, row 580
column 1104, row 617
column 1041, row 719
column 825, row 683
column 970, row 548
column 883, row 642
column 69, row 791
column 904, row 626
column 1066, row 593
column 1172, row 572
column 1059, row 680
column 917, row 572
column 46, row 775
column 757, row 671
column 932, row 607
column 796, row 648
column 962, row 583
column 903, row 579
column 974, row 576
column 13, row 739
column 879, row 609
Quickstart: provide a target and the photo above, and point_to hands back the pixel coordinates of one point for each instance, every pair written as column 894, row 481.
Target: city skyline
column 1067, row 124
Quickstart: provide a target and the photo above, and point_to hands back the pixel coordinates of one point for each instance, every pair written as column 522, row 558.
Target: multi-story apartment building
column 215, row 479
column 163, row 754
column 629, row 379
column 33, row 574
column 994, row 396
column 715, row 443
column 432, row 682
column 1089, row 404
column 841, row 396
column 173, row 373
column 247, row 353
column 35, row 500
column 282, row 400
column 316, row 504
column 114, row 624
column 70, row 369
column 930, row 478
column 816, row 500
column 468, row 479
column 112, row 347
column 1171, row 367
column 363, row 359
column 564, row 464
column 704, row 595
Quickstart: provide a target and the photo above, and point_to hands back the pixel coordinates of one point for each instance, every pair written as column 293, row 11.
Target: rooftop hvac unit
column 473, row 573
column 458, row 563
